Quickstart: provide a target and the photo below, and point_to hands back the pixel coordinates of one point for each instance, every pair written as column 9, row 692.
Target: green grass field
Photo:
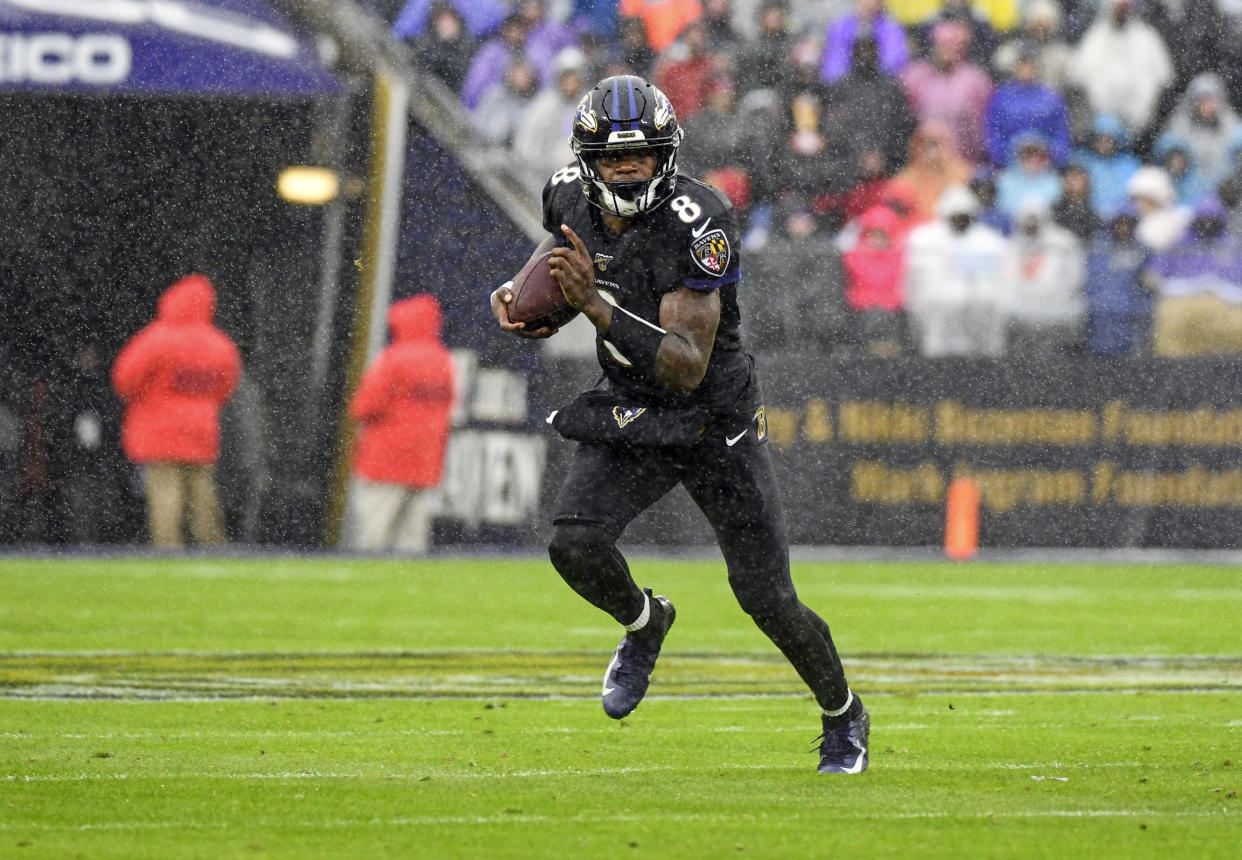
column 293, row 707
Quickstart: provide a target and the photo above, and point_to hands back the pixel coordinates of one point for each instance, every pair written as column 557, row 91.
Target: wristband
column 633, row 341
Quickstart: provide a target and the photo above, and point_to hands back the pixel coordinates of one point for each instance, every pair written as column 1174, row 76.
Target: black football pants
column 607, row 486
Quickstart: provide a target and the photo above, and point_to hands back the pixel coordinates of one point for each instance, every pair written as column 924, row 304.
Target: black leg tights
column 805, row 640
column 587, row 558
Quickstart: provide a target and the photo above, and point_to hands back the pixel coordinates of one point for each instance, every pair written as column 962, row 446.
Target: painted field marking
column 518, row 818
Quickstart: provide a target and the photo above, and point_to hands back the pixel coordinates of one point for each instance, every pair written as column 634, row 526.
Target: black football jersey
column 691, row 240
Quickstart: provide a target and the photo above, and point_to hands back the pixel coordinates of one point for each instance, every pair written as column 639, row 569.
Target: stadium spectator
column 1024, row 103
column 814, row 156
column 1030, row 174
column 871, row 103
column 482, row 17
column 875, row 271
column 718, row 21
column 1123, row 66
column 1041, row 29
column 632, row 50
column 933, row 166
column 173, row 377
column 445, row 47
column 88, row 468
column 403, row 407
column 870, row 189
column 1073, row 209
column 1204, row 121
column 663, row 20
column 1195, row 32
column 981, row 28
column 541, row 140
column 798, row 155
column 801, row 305
column 595, row 17
column 492, row 60
column 1229, row 193
column 546, row 37
column 869, row 18
column 959, row 282
column 763, row 62
column 1118, row 301
column 1173, row 153
column 1109, row 164
column 1230, row 47
column 1198, row 282
column 949, row 88
column 983, row 186
column 498, row 114
column 1048, row 309
column 720, row 137
column 1161, row 221
column 686, row 69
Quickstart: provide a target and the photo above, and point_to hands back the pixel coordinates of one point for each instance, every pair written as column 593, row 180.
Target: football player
column 651, row 259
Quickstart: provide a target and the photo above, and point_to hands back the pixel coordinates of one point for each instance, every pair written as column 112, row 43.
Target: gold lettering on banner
column 782, row 426
column 1194, row 488
column 962, row 425
column 1111, row 418
column 1002, row 490
column 870, row 421
column 881, row 484
column 818, row 424
column 1202, row 427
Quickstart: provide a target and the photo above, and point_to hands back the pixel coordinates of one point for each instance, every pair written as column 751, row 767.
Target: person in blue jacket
column 1024, row 103
column 1119, row 305
column 1109, row 163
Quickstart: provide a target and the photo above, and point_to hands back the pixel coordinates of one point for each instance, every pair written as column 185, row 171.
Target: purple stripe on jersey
column 706, row 286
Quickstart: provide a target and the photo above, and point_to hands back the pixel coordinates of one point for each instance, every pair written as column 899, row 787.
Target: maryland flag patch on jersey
column 711, row 252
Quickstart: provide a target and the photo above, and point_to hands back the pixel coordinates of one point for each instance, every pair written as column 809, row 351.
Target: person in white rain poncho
column 1123, row 65
column 1048, row 304
column 959, row 281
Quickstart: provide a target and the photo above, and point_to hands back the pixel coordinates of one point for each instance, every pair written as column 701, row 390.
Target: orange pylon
column 961, row 521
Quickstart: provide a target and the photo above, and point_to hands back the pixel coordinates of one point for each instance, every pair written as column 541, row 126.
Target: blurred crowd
column 937, row 177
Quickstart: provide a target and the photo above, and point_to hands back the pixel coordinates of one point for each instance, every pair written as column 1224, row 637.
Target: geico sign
column 63, row 58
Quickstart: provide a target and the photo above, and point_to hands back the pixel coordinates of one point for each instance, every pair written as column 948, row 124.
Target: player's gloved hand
column 501, row 296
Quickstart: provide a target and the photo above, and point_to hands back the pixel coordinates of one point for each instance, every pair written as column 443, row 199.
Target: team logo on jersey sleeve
column 711, row 252
column 625, row 414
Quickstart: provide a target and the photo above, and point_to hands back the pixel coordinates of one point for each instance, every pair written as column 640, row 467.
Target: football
column 537, row 297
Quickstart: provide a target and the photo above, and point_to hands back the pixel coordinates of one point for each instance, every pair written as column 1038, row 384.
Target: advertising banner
column 225, row 47
column 1075, row 453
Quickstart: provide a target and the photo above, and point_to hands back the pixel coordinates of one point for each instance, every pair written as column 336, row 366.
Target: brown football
column 537, row 297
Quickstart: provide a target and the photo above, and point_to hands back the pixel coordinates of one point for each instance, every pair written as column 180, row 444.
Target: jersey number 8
column 687, row 210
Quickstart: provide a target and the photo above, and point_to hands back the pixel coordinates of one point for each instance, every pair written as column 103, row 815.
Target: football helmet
column 626, row 112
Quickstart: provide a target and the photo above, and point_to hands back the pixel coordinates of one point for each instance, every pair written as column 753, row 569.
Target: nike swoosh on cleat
column 696, row 233
column 737, row 438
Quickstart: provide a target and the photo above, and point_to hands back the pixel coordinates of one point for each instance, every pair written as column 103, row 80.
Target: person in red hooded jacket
column 874, row 275
column 173, row 376
column 403, row 405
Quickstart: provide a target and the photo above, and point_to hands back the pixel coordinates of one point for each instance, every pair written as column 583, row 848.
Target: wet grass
column 447, row 708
